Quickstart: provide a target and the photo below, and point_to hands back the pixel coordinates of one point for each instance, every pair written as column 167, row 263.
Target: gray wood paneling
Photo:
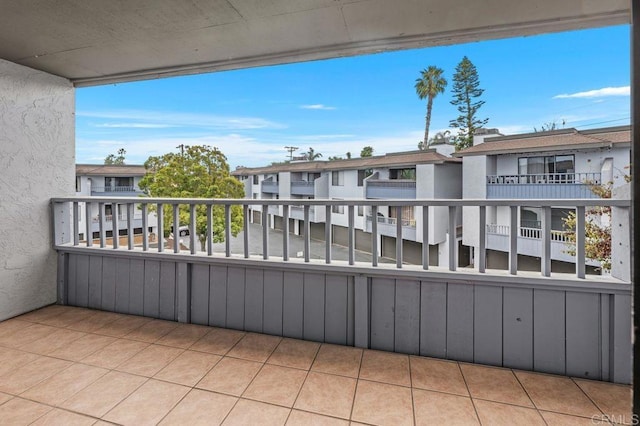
column 407, row 317
column 382, row 315
column 72, row 277
column 314, row 307
column 518, row 328
column 95, row 282
column 433, row 319
column 621, row 365
column 606, row 335
column 361, row 309
column 218, row 296
column 168, row 291
column 548, row 331
column 335, row 314
column 82, row 281
column 487, row 325
column 122, row 285
column 253, row 300
column 200, row 294
column 183, row 293
column 235, row 297
column 108, row 299
column 272, row 307
column 460, row 322
column 136, row 287
column 152, row 288
column 293, row 301
column 583, row 330
column 350, row 311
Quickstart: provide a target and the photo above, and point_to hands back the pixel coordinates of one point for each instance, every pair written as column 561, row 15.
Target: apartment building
column 427, row 174
column 565, row 163
column 110, row 181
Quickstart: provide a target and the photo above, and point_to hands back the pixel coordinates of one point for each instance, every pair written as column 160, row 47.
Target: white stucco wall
column 37, row 159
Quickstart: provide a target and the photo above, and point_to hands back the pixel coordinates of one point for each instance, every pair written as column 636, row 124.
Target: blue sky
column 340, row 105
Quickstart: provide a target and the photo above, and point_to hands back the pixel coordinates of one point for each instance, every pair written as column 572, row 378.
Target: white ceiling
column 102, row 41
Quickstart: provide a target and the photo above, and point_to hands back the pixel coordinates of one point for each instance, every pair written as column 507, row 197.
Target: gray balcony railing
column 543, row 186
column 391, row 188
column 552, row 178
column 409, row 223
column 302, row 187
column 116, row 189
column 270, row 187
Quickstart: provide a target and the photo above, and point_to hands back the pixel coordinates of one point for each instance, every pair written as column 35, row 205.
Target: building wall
column 37, row 159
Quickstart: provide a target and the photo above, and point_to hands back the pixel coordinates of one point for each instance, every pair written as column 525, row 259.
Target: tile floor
column 72, row 366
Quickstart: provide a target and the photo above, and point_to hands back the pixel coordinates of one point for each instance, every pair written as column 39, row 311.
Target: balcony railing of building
column 391, row 188
column 270, row 187
column 410, row 223
column 114, row 189
column 553, row 178
column 543, row 186
column 122, row 217
column 302, row 187
column 528, row 232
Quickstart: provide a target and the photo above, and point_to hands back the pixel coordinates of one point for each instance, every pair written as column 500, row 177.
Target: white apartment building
column 110, row 181
column 550, row 165
column 406, row 175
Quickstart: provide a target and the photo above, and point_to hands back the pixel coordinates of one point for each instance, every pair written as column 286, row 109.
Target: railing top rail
column 302, row 182
column 560, row 202
column 391, row 181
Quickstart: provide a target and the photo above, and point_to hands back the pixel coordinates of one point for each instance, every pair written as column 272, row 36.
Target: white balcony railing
column 119, row 188
column 410, row 223
column 553, row 178
column 528, row 232
column 67, row 232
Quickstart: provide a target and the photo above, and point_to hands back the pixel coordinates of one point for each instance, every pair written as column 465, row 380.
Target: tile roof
column 110, row 170
column 550, row 141
column 408, row 158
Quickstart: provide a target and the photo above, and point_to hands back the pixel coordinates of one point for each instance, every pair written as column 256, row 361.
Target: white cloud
column 134, row 126
column 317, row 106
column 597, row 93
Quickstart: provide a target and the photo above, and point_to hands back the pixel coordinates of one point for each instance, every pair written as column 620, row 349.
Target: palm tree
column 430, row 85
column 312, row 154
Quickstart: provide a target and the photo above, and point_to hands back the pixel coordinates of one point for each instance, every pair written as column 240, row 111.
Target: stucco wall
column 37, row 159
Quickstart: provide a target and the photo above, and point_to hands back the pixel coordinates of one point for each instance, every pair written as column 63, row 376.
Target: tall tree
column 198, row 172
column 430, row 84
column 466, row 93
column 113, row 159
column 367, row 151
column 312, row 155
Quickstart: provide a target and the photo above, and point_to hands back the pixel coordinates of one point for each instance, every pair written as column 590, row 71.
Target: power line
column 291, row 150
column 603, row 122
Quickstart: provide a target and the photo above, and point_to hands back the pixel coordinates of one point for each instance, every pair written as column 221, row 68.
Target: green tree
column 367, row 151
column 547, row 127
column 312, row 155
column 198, row 172
column 430, row 84
column 112, row 159
column 466, row 93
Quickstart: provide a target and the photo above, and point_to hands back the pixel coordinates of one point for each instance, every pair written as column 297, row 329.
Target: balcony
column 302, row 187
column 270, row 187
column 391, row 189
column 388, row 226
column 115, row 191
column 542, row 186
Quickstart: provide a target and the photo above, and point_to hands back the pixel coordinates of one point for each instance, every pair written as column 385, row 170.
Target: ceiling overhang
column 94, row 42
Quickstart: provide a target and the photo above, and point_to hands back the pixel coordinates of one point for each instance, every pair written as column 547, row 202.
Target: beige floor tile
column 256, row 413
column 30, row 374
column 230, row 375
column 493, row 413
column 556, row 393
column 115, row 353
column 82, row 347
column 19, row 411
column 188, row 368
column 437, row 408
column 65, row 384
column 51, row 342
column 26, row 335
column 613, row 400
column 276, row 385
column 148, row 404
column 104, row 394
column 327, row 394
column 494, row 384
column 43, row 313
column 184, row 336
column 382, row 404
column 556, row 419
column 94, row 321
column 152, row 331
column 433, row 374
column 122, row 326
column 385, row 367
column 302, row 418
column 217, row 341
column 150, row 360
column 68, row 317
column 57, row 417
column 4, row 397
column 12, row 359
column 341, row 360
column 255, row 347
column 294, row 353
column 11, row 326
column 200, row 408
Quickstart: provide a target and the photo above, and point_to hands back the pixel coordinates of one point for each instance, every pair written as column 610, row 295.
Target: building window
column 362, row 175
column 337, row 209
column 360, row 210
column 255, row 179
column 337, row 178
column 78, row 184
column 562, row 166
column 407, row 174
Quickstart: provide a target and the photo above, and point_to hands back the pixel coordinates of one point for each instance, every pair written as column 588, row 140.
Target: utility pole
column 291, row 150
column 181, row 146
